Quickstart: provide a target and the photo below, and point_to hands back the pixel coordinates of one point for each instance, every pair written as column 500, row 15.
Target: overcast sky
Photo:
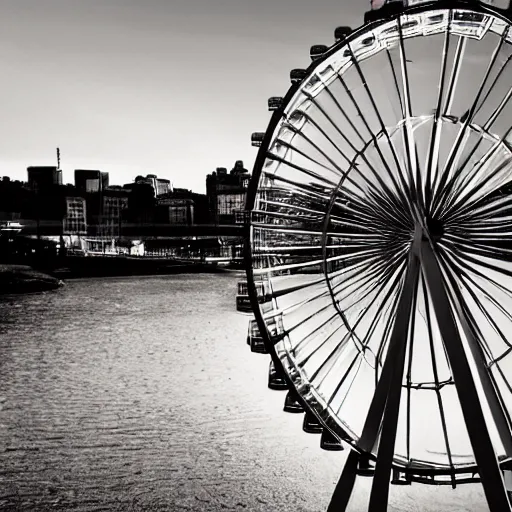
column 169, row 87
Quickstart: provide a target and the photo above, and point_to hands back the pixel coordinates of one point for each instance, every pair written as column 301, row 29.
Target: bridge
column 135, row 231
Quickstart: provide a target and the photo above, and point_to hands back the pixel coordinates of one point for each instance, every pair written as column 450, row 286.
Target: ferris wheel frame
column 372, row 20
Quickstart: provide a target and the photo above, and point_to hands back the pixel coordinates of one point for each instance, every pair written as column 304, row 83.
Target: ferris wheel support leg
column 483, row 450
column 345, row 485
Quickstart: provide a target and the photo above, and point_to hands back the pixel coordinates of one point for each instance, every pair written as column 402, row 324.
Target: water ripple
column 140, row 394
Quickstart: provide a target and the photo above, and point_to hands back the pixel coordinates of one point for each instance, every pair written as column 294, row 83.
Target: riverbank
column 81, row 267
column 24, row 279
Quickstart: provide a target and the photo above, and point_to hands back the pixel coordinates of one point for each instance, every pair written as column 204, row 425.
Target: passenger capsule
column 257, row 139
column 297, row 75
column 311, row 425
column 365, row 467
column 400, row 478
column 340, row 33
column 275, row 380
column 275, row 103
column 330, row 442
column 291, row 403
column 317, row 51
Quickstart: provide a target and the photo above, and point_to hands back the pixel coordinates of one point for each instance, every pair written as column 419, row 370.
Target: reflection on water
column 141, row 394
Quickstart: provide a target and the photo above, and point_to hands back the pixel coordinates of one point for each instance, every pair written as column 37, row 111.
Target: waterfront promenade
column 140, row 393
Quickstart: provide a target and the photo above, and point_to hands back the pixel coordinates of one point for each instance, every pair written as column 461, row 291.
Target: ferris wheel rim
column 254, row 187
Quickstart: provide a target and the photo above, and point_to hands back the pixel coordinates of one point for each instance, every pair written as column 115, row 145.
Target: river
column 140, row 394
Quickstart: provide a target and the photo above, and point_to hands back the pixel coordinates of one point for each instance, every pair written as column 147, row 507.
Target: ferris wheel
column 381, row 234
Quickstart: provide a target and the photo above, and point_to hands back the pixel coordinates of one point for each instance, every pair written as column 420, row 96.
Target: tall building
column 226, row 193
column 90, row 181
column 42, row 178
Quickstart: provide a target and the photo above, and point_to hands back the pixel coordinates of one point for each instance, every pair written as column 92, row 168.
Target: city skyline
column 137, row 88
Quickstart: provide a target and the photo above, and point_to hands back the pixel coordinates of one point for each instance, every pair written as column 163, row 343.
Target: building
column 160, row 186
column 226, row 194
column 90, row 181
column 75, row 220
column 163, row 187
column 114, row 202
column 180, row 210
column 41, row 179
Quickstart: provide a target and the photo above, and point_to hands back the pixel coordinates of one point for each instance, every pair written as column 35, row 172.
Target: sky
column 167, row 87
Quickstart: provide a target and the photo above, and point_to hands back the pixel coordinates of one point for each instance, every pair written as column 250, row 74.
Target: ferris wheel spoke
column 304, row 320
column 385, row 205
column 320, row 150
column 492, row 394
column 461, row 138
column 307, row 340
column 408, row 136
column 453, row 180
column 329, row 362
column 304, row 170
column 336, row 171
column 473, row 246
column 367, row 269
column 441, row 178
column 469, row 283
column 374, row 139
column 304, row 189
column 345, row 115
column 468, row 258
column 468, row 277
column 376, row 287
column 288, row 217
column 380, row 121
column 486, row 244
column 449, row 195
column 499, row 75
column 357, row 358
column 488, row 212
column 353, row 166
column 308, row 157
column 388, row 305
column 463, row 203
column 386, row 335
column 270, row 203
column 368, row 262
column 435, row 136
column 358, row 153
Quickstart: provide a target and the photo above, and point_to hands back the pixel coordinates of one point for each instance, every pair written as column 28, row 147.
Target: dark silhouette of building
column 226, row 193
column 42, row 179
column 182, row 206
column 160, row 186
column 90, row 181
